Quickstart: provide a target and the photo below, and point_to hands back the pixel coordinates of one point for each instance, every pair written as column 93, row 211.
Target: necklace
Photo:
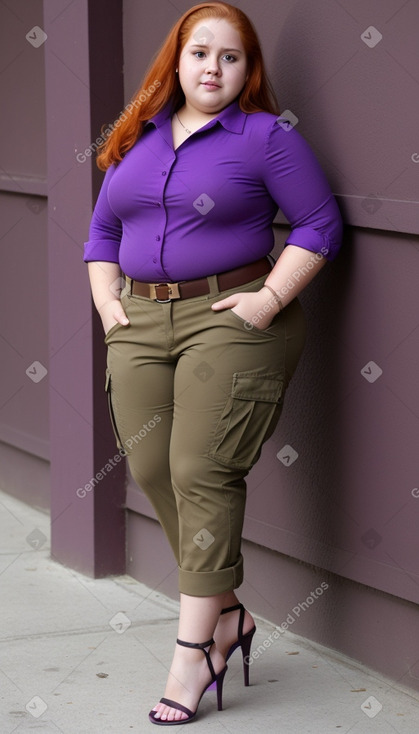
column 184, row 126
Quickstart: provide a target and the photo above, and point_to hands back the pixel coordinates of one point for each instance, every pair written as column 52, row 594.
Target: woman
column 206, row 334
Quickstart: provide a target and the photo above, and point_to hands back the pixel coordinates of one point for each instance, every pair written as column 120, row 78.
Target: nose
column 213, row 67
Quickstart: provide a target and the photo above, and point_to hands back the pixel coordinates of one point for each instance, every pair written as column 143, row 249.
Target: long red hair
column 161, row 83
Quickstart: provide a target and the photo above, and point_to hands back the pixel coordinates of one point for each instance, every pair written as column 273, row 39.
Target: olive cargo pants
column 193, row 394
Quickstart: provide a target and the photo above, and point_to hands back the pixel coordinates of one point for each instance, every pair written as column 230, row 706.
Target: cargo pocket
column 249, row 418
column 108, row 389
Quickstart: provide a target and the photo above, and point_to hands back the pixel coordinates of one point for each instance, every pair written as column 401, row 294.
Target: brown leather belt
column 165, row 292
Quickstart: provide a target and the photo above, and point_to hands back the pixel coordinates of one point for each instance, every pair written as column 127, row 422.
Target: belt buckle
column 172, row 291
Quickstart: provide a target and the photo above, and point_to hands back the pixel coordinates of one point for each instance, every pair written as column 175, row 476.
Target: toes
column 176, row 715
column 166, row 713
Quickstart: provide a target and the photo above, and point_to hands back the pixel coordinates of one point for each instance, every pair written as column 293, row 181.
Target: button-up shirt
column 167, row 215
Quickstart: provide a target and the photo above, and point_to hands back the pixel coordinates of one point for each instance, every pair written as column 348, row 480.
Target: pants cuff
column 210, row 583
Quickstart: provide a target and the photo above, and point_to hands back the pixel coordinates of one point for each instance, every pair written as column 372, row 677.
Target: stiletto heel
column 220, row 683
column 217, row 678
column 243, row 641
column 246, row 644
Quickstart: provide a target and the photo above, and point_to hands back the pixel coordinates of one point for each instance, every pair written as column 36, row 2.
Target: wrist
column 274, row 298
column 104, row 304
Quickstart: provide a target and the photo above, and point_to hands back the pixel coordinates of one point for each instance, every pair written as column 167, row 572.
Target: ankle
column 191, row 654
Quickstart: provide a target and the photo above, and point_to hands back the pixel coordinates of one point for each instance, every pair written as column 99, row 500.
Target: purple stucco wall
column 345, row 510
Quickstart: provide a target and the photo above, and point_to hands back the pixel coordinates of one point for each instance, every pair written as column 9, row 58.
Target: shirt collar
column 231, row 118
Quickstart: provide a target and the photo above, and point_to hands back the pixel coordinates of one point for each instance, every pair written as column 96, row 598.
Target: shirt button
column 158, row 238
column 154, row 259
column 164, row 173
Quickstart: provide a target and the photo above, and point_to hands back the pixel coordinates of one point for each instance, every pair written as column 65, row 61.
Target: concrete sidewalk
column 83, row 656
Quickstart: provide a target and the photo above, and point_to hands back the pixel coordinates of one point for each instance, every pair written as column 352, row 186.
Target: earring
column 176, row 70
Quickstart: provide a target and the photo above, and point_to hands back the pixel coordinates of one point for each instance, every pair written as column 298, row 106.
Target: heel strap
column 196, row 645
column 241, row 617
column 232, row 609
column 202, row 646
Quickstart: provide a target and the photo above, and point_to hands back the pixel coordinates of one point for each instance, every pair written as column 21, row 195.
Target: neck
column 195, row 117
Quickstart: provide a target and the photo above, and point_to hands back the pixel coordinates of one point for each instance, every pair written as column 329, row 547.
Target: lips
column 211, row 85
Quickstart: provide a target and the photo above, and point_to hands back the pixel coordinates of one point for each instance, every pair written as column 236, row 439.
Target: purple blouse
column 167, row 215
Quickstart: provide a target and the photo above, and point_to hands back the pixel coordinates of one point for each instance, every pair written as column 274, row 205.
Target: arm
column 293, row 271
column 105, row 293
column 101, row 252
column 296, row 182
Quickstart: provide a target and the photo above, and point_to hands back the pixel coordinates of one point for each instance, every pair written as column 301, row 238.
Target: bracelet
column 277, row 298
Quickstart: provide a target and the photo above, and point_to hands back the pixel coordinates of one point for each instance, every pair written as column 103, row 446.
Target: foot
column 226, row 631
column 188, row 677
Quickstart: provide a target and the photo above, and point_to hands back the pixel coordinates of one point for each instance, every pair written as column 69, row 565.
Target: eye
column 229, row 58
column 199, row 54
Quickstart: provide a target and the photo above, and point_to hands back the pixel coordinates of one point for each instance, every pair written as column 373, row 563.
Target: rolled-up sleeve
column 299, row 187
column 105, row 228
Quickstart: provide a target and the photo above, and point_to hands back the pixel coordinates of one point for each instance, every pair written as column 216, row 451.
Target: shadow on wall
column 320, row 477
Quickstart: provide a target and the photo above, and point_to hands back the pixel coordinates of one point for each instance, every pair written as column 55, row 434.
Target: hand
column 112, row 313
column 257, row 308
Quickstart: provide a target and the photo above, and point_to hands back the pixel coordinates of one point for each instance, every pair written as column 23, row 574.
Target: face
column 212, row 66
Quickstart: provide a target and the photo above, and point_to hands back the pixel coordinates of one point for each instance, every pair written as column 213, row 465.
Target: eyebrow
column 203, row 45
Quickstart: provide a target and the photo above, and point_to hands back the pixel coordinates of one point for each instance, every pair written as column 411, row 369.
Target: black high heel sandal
column 218, row 679
column 243, row 641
